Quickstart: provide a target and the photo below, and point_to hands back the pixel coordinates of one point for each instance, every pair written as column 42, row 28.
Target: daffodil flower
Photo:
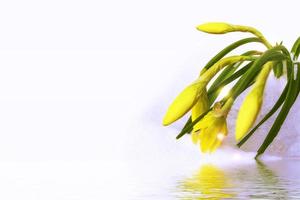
column 252, row 103
column 212, row 128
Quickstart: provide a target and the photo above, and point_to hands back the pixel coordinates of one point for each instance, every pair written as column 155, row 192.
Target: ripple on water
column 273, row 180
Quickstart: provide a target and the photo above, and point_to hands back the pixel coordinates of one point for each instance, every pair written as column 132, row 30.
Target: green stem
column 255, row 32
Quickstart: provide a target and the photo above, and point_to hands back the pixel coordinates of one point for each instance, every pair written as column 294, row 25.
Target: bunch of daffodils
column 209, row 109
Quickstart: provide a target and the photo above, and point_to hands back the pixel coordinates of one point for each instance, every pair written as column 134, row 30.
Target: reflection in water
column 240, row 182
column 267, row 179
column 209, row 182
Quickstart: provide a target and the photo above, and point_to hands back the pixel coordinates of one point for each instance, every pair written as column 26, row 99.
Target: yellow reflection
column 208, row 183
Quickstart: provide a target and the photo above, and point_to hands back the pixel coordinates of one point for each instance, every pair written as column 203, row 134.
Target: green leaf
column 278, row 69
column 297, row 82
column 296, row 48
column 291, row 96
column 228, row 49
column 269, row 55
column 187, row 123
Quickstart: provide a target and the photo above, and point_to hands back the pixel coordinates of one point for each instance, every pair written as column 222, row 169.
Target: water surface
column 257, row 180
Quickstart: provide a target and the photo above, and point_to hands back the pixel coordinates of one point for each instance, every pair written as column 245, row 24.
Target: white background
column 84, row 85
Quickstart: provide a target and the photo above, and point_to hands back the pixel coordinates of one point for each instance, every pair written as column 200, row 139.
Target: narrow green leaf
column 296, row 48
column 278, row 69
column 228, row 49
column 187, row 123
column 298, row 80
column 269, row 55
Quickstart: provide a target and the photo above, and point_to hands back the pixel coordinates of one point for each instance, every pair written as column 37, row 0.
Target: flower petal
column 195, row 137
column 199, row 108
column 208, row 138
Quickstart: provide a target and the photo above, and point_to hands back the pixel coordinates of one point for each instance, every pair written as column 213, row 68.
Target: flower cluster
column 207, row 124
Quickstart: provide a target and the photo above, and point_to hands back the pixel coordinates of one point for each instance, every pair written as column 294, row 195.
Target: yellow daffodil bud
column 222, row 27
column 183, row 103
column 216, row 27
column 252, row 103
column 199, row 108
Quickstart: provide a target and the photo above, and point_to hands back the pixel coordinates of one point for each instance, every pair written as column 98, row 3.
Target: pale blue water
column 257, row 180
column 145, row 179
column 275, row 180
